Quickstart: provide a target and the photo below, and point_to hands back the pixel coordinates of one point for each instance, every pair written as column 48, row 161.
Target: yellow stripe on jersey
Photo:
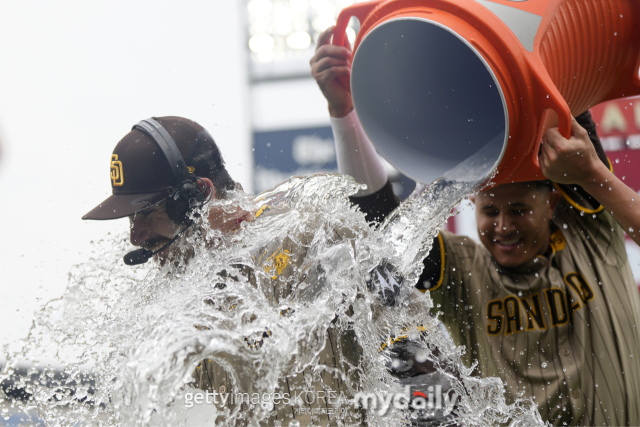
column 260, row 211
column 442, row 259
column 393, row 340
column 577, row 206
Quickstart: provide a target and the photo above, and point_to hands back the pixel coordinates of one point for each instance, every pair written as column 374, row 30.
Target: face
column 514, row 221
column 152, row 229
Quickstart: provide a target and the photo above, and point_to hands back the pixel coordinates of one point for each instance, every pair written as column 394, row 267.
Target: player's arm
column 354, row 151
column 575, row 161
column 355, row 154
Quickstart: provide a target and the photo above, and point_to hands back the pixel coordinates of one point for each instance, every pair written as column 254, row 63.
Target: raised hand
column 329, row 63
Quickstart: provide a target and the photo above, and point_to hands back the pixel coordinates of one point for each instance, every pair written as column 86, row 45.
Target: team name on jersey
column 513, row 314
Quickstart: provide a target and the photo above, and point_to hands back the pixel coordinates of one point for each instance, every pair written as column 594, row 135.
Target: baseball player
column 161, row 172
column 547, row 301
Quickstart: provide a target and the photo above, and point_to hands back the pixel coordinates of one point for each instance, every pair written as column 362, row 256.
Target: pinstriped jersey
column 561, row 330
column 276, row 270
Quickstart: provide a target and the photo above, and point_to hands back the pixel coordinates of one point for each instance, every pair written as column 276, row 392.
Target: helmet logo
column 116, row 171
column 191, row 169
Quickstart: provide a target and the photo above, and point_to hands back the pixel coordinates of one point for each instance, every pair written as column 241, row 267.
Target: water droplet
column 617, row 160
column 615, row 34
column 544, row 364
column 565, row 226
column 421, row 356
column 631, row 229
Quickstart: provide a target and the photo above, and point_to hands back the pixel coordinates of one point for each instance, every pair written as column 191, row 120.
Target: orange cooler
column 465, row 88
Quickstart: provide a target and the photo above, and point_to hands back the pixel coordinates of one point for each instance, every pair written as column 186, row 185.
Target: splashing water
column 264, row 303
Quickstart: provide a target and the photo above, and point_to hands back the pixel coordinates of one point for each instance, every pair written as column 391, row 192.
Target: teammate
column 161, row 173
column 547, row 301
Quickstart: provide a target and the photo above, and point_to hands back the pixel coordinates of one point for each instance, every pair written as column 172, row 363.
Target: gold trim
column 577, row 206
column 442, row 260
column 580, row 292
column 529, row 313
column 117, row 177
column 574, row 204
column 260, row 211
column 495, row 317
column 547, row 292
column 517, row 318
column 393, row 340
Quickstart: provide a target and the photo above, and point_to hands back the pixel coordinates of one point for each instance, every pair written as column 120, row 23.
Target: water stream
column 128, row 339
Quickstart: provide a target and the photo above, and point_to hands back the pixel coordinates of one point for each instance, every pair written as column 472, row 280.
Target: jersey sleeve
column 575, row 195
column 377, row 206
column 356, row 155
column 592, row 225
column 450, row 293
column 581, row 213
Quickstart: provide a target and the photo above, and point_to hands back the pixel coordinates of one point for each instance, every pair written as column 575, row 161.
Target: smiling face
column 514, row 221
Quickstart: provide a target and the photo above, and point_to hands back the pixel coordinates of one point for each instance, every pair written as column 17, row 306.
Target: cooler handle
column 550, row 98
column 360, row 11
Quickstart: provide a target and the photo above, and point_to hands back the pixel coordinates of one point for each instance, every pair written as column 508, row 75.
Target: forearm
column 616, row 197
column 356, row 155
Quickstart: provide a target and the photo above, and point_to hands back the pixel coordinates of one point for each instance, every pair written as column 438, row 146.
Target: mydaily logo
column 433, row 399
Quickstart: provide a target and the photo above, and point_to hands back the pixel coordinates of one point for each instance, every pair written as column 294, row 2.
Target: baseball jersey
column 277, row 270
column 561, row 330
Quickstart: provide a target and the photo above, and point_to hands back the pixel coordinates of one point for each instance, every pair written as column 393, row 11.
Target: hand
column 329, row 63
column 569, row 161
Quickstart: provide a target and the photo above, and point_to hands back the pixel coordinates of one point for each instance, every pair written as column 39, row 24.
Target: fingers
column 328, row 62
column 548, row 151
column 329, row 74
column 325, row 37
column 577, row 130
column 547, row 159
column 552, row 135
column 332, row 50
column 320, row 60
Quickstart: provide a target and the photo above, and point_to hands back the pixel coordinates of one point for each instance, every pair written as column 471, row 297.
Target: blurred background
column 75, row 76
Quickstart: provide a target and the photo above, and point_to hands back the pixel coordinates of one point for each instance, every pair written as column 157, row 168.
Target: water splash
column 127, row 340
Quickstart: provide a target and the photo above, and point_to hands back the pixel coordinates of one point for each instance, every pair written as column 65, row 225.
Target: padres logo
column 116, row 171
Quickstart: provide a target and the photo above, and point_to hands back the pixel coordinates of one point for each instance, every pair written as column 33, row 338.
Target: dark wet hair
column 544, row 184
column 208, row 162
